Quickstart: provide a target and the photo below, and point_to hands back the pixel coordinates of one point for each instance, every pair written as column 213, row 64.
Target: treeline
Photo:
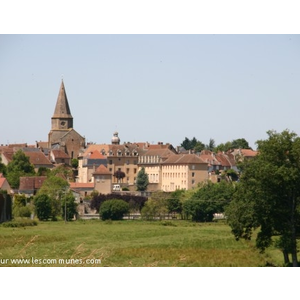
column 198, row 146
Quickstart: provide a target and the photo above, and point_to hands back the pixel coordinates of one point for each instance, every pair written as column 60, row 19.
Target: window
column 193, row 174
column 193, row 167
column 110, row 162
column 134, row 170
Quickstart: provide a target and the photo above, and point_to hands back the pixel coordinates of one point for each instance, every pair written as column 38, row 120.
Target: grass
column 95, row 243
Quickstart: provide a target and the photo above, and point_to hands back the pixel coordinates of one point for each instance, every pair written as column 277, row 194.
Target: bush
column 22, row 223
column 113, row 209
column 43, row 207
column 23, row 211
column 199, row 210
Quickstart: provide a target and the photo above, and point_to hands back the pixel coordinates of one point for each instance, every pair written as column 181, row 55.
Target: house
column 37, row 158
column 183, row 171
column 241, row 154
column 83, row 189
column 30, row 185
column 88, row 163
column 59, row 157
column 151, row 161
column 4, row 185
column 102, row 180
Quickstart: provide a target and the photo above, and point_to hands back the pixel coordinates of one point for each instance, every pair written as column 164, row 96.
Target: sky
column 151, row 87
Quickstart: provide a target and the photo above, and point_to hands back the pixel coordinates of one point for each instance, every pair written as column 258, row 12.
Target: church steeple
column 62, row 118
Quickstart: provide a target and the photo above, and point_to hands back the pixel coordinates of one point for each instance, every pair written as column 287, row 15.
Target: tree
column 68, row 201
column 55, row 187
column 156, row 206
column 211, row 145
column 119, row 175
column 240, row 143
column 43, row 206
column 268, row 195
column 142, row 180
column 113, row 209
column 19, row 166
column 3, row 168
column 192, row 144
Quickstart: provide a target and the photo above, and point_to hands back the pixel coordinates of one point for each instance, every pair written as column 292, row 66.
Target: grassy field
column 95, row 243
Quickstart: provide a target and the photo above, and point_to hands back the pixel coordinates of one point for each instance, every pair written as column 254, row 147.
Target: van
column 116, row 187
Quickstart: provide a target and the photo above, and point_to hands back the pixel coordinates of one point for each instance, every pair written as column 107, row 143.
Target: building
column 183, row 171
column 62, row 135
column 152, row 162
column 88, row 163
column 4, row 185
column 103, row 180
column 30, row 185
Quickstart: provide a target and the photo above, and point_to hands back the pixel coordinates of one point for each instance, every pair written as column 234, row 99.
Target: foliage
column 69, row 201
column 208, row 199
column 199, row 210
column 3, row 168
column 20, row 223
column 232, row 174
column 20, row 200
column 22, row 212
column 43, row 206
column 211, row 145
column 142, row 180
column 268, row 195
column 219, row 194
column 192, row 144
column 119, row 175
column 135, row 202
column 174, row 205
column 43, row 171
column 74, row 163
column 154, row 209
column 240, row 143
column 19, row 166
column 55, row 187
column 113, row 209
column 156, row 206
column 235, row 144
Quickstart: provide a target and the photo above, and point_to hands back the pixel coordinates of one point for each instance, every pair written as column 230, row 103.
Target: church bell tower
column 62, row 118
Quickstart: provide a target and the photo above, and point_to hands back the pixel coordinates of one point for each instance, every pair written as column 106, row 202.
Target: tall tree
column 240, row 143
column 2, row 167
column 19, row 166
column 211, row 145
column 55, row 188
column 142, row 180
column 268, row 196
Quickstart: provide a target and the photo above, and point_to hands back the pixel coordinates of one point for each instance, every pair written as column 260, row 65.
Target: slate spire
column 62, row 118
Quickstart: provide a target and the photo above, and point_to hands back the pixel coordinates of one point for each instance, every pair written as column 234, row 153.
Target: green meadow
column 128, row 243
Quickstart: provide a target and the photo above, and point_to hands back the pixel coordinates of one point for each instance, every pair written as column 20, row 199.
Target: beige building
column 88, row 163
column 102, row 180
column 183, row 171
column 152, row 162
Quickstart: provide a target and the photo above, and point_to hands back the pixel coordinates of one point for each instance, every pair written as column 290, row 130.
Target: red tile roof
column 79, row 185
column 31, row 183
column 184, row 159
column 102, row 170
column 96, row 155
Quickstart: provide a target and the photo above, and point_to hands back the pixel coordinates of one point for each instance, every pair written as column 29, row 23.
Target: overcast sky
column 151, row 87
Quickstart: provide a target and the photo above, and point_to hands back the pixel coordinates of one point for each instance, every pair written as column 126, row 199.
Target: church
column 62, row 135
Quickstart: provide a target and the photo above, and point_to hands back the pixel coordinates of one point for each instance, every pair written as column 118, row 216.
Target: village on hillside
column 113, row 167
